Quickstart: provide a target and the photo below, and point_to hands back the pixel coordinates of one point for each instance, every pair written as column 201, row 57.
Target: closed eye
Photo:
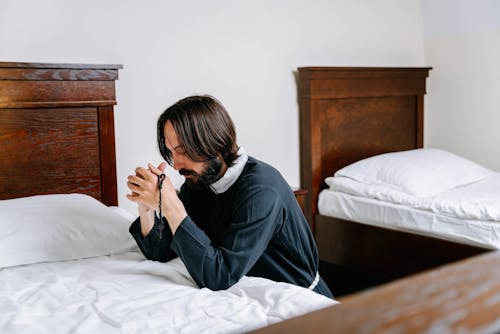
column 180, row 150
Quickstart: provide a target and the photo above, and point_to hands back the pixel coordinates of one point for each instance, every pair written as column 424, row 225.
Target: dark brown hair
column 203, row 127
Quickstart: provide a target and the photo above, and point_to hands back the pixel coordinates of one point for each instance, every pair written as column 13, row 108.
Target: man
column 233, row 216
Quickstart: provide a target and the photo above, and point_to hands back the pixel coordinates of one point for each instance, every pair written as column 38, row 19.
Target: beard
column 203, row 180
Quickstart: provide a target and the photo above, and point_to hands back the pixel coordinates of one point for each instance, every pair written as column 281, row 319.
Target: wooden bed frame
column 57, row 130
column 460, row 297
column 348, row 114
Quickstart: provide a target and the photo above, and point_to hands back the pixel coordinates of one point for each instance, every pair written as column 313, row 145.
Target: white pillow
column 60, row 227
column 420, row 172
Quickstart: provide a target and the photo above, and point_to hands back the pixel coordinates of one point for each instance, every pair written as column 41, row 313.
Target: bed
column 425, row 191
column 348, row 114
column 67, row 261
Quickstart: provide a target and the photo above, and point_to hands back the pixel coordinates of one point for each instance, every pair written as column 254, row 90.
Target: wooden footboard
column 457, row 298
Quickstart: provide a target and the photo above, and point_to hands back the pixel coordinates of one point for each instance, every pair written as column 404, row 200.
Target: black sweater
column 254, row 228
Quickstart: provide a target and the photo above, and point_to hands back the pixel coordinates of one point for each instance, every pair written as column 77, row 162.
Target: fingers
column 159, row 170
column 144, row 173
column 143, row 185
column 133, row 196
column 155, row 170
column 140, row 182
column 136, row 180
column 141, row 178
column 135, row 189
column 136, row 184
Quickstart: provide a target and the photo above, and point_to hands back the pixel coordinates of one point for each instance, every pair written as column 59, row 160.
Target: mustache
column 186, row 172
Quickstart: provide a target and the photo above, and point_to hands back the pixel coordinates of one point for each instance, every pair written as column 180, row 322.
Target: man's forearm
column 147, row 221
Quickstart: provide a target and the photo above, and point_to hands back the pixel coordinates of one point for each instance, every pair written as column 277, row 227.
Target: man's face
column 198, row 174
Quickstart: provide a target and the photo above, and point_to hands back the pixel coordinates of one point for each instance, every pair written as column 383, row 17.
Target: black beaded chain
column 159, row 220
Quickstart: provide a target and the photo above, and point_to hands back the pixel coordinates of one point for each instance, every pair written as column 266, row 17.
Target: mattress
column 124, row 293
column 469, row 214
column 69, row 265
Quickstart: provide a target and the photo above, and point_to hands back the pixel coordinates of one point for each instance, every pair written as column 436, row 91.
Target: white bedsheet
column 479, row 200
column 468, row 214
column 126, row 294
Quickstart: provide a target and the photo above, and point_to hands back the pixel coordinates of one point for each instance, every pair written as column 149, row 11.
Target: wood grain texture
column 35, row 66
column 354, row 128
column 300, row 196
column 57, row 130
column 49, row 150
column 463, row 297
column 107, row 155
column 57, row 74
column 349, row 113
column 26, row 94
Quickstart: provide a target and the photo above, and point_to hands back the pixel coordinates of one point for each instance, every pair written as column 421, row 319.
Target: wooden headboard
column 57, row 130
column 350, row 113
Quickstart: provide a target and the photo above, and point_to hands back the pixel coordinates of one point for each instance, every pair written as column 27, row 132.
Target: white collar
column 231, row 174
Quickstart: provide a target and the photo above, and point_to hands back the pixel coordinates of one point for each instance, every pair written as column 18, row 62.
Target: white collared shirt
column 231, row 174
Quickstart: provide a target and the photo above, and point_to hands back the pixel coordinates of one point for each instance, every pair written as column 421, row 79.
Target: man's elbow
column 220, row 284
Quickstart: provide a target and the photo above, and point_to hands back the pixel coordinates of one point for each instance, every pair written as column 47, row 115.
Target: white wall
column 243, row 52
column 462, row 44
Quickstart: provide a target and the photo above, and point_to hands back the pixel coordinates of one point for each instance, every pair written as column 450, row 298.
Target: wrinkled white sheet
column 126, row 294
column 468, row 214
column 479, row 200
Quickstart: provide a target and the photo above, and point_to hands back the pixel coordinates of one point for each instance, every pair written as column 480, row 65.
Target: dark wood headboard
column 57, row 130
column 350, row 113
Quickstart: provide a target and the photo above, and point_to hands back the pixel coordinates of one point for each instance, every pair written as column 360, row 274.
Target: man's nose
column 178, row 163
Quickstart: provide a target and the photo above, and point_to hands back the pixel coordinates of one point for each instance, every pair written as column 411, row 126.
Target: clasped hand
column 144, row 191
